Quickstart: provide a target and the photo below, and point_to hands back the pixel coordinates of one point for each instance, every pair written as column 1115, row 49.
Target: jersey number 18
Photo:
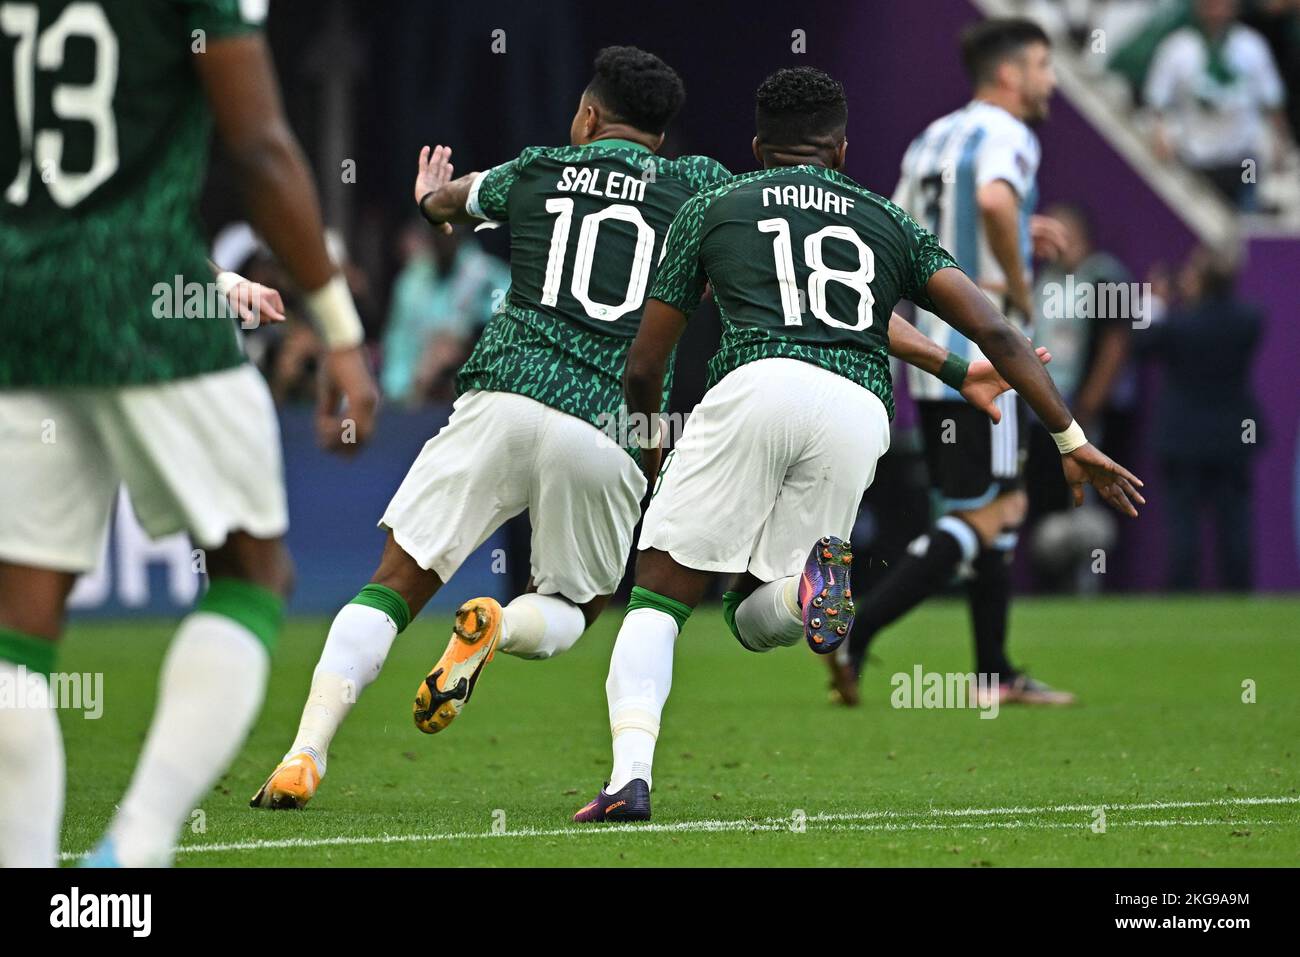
column 856, row 279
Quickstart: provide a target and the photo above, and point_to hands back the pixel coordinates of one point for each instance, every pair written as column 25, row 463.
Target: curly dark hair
column 989, row 43
column 798, row 105
column 637, row 88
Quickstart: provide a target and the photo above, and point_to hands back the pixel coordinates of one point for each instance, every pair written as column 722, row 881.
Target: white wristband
column 1071, row 439
column 656, row 434
column 336, row 314
column 227, row 281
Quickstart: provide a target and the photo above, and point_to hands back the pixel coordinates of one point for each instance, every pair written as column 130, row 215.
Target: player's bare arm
column 960, row 303
column 240, row 84
column 440, row 198
column 999, row 207
column 647, row 363
column 982, row 383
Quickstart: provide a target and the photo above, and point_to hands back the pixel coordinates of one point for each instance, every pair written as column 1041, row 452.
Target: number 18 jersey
column 805, row 264
column 587, row 228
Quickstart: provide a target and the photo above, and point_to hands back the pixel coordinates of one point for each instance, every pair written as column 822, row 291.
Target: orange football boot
column 446, row 690
column 290, row 786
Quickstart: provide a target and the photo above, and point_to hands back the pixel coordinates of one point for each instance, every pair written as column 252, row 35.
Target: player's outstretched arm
column 959, row 302
column 978, row 382
column 279, row 192
column 441, row 199
column 643, row 377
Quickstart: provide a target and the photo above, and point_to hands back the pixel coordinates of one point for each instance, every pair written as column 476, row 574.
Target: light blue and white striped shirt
column 942, row 172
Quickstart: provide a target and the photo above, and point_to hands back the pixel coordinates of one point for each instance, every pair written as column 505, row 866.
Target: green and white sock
column 640, row 677
column 358, row 643
column 31, row 755
column 211, row 689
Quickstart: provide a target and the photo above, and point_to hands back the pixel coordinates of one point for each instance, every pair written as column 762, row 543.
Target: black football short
column 971, row 460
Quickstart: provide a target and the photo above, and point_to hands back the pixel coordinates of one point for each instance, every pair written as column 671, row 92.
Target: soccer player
column 587, row 223
column 806, row 266
column 102, row 153
column 970, row 178
column 529, row 432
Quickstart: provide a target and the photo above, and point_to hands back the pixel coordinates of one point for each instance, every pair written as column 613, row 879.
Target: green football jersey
column 104, row 135
column 805, row 264
column 587, row 227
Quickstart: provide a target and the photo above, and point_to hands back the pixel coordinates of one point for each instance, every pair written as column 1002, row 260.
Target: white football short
column 775, row 456
column 502, row 454
column 199, row 455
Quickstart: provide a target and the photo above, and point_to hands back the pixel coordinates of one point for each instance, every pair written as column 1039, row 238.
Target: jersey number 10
column 582, row 260
column 856, row 279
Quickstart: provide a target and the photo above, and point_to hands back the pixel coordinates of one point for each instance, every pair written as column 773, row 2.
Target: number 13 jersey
column 104, row 137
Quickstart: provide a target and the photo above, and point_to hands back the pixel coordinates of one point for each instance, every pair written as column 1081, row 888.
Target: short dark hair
column 798, row 105
column 988, row 44
column 637, row 88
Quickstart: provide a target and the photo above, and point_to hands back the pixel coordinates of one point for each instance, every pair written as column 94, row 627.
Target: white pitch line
column 1053, row 809
column 888, row 821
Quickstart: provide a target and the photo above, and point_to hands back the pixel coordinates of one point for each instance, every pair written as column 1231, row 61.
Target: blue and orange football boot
column 630, row 803
column 826, row 595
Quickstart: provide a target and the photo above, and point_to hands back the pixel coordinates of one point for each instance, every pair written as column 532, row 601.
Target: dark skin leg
column 261, row 561
column 33, row 600
column 661, row 573
column 400, row 572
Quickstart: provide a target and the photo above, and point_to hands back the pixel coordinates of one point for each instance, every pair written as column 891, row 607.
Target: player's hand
column 434, row 173
column 255, row 304
column 1049, row 236
column 984, row 384
column 1118, row 487
column 345, row 412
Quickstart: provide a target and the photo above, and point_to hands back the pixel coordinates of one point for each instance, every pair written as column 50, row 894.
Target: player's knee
column 987, row 521
column 262, row 562
column 1014, row 506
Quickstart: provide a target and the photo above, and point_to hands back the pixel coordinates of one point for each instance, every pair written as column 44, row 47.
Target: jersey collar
column 614, row 143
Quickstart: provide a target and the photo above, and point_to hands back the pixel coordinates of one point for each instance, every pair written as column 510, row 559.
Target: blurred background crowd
column 1201, row 99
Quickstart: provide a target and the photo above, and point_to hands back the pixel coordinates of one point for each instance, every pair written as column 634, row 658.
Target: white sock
column 540, row 626
column 31, row 773
column 640, row 677
column 212, row 685
column 354, row 653
column 770, row 616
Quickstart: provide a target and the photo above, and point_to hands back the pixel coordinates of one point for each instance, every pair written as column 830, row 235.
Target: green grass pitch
column 754, row 766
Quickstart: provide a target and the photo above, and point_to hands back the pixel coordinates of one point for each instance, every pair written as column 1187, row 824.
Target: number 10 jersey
column 587, row 227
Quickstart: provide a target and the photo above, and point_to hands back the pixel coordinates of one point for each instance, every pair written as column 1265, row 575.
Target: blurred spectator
column 443, row 296
column 1207, row 419
column 1278, row 21
column 1085, row 307
column 1084, row 318
column 1216, row 90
